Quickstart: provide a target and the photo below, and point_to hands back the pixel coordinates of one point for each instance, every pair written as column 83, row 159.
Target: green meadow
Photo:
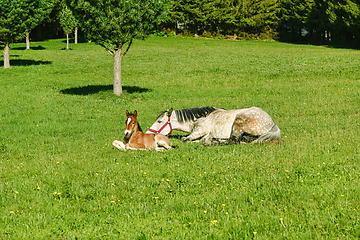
column 60, row 177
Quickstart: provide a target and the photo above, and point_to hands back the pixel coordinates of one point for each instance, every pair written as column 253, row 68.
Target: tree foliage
column 20, row 16
column 113, row 23
column 67, row 20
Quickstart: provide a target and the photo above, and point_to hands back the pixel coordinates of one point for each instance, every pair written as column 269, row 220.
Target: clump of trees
column 288, row 20
column 18, row 18
column 335, row 21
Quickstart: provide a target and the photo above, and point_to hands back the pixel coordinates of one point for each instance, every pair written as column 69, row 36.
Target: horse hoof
column 184, row 139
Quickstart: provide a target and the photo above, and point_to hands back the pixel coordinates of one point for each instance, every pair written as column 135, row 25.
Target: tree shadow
column 24, row 62
column 31, row 48
column 93, row 89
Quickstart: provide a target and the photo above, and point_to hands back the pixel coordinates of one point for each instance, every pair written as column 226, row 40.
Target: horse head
column 162, row 123
column 132, row 124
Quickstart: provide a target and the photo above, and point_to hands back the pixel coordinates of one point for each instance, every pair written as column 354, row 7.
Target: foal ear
column 169, row 112
column 127, row 113
column 135, row 113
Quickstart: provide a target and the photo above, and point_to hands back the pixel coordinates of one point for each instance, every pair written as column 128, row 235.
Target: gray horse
column 211, row 125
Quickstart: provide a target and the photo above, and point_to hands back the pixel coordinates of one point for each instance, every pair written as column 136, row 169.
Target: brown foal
column 136, row 139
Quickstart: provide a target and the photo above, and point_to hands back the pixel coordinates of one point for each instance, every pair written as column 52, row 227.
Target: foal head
column 132, row 124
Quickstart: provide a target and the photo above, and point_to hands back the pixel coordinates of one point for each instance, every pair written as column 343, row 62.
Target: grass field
column 60, row 178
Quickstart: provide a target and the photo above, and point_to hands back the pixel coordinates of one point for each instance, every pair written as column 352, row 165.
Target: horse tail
column 272, row 135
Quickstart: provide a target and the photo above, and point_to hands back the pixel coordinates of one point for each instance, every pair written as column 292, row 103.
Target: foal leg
column 119, row 145
column 135, row 146
column 162, row 142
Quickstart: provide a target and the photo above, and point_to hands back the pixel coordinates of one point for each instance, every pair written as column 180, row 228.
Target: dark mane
column 131, row 114
column 191, row 114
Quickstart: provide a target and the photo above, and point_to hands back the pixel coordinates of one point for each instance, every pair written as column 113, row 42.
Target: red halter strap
column 162, row 128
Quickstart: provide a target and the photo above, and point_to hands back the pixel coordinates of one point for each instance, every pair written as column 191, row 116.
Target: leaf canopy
column 113, row 23
column 20, row 16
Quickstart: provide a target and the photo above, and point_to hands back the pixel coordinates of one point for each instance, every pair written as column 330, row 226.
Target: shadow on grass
column 22, row 62
column 87, row 90
column 31, row 48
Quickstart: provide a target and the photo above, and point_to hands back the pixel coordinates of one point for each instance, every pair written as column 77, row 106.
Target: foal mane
column 131, row 114
column 191, row 114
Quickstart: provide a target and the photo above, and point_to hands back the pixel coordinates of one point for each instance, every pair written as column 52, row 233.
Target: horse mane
column 131, row 114
column 191, row 114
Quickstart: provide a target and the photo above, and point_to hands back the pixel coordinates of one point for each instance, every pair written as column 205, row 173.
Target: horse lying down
column 136, row 139
column 212, row 126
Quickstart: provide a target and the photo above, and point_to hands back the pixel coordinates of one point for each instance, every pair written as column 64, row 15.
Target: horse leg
column 237, row 131
column 198, row 131
column 119, row 145
column 193, row 137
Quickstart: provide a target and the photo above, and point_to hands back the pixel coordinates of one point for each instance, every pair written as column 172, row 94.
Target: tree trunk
column 76, row 35
column 117, row 72
column 7, row 55
column 67, row 41
column 27, row 40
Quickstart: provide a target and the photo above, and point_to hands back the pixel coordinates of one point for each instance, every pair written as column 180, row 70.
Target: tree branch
column 127, row 49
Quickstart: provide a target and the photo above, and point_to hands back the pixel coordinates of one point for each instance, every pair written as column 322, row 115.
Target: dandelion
column 226, row 213
column 254, row 233
column 38, row 188
column 16, row 192
column 112, row 201
column 342, row 195
column 213, row 222
column 11, row 212
column 205, row 211
column 156, row 198
column 223, row 205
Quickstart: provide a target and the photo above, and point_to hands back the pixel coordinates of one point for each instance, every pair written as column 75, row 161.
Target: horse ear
column 127, row 113
column 135, row 113
column 169, row 112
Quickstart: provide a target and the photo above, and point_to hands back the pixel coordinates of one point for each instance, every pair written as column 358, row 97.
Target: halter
column 162, row 128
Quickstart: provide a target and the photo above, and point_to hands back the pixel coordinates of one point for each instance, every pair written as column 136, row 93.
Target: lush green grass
column 61, row 178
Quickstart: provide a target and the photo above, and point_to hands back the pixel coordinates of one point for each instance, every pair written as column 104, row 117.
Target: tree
column 114, row 24
column 38, row 11
column 67, row 22
column 16, row 18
